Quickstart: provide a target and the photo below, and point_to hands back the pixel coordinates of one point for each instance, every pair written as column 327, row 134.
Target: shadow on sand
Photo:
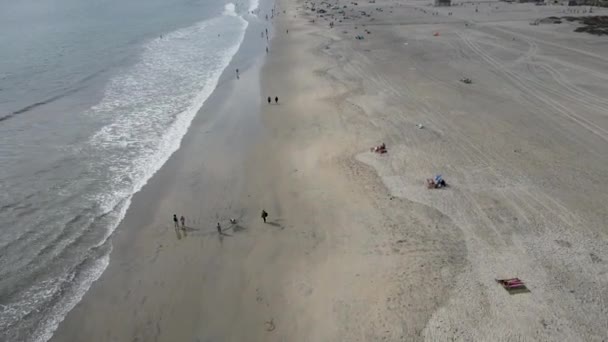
column 275, row 224
column 190, row 229
column 237, row 228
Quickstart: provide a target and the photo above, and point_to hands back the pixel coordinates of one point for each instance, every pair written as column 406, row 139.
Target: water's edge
column 97, row 264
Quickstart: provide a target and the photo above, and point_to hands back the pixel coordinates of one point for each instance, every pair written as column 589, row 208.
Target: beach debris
column 466, row 80
column 436, row 183
column 233, row 221
column 381, row 149
column 420, row 126
column 270, row 325
column 359, row 37
column 436, row 34
column 513, row 285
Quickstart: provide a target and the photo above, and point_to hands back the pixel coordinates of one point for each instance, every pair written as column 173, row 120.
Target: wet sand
column 356, row 248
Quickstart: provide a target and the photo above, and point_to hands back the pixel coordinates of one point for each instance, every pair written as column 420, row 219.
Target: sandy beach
column 356, row 248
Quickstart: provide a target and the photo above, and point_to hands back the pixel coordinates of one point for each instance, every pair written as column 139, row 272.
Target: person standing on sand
column 219, row 228
column 269, row 100
column 264, row 215
column 175, row 221
column 276, row 100
column 237, row 74
column 183, row 221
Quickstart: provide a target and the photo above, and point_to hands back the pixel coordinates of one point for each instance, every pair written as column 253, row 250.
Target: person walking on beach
column 264, row 215
column 183, row 221
column 237, row 74
column 175, row 221
column 219, row 228
column 269, row 100
column 276, row 99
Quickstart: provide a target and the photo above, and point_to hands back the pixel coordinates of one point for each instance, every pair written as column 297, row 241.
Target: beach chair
column 513, row 285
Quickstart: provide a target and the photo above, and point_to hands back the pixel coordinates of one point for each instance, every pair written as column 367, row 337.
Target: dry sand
column 357, row 249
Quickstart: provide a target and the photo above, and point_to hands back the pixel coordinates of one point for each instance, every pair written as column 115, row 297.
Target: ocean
column 94, row 98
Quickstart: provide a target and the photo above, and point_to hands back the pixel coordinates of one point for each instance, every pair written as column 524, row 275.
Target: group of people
column 264, row 214
column 182, row 219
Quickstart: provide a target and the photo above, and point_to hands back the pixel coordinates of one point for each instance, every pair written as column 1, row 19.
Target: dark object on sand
column 513, row 285
column 276, row 100
column 436, row 183
column 270, row 325
column 466, row 80
column 381, row 149
column 264, row 215
column 219, row 228
column 269, row 100
column 596, row 25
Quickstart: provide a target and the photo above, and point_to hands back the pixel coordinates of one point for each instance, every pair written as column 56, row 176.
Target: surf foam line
column 253, row 5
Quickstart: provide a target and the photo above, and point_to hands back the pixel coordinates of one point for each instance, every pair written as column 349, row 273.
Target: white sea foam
column 253, row 5
column 148, row 110
column 230, row 9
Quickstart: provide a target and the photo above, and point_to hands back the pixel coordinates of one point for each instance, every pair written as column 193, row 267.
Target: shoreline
column 248, row 58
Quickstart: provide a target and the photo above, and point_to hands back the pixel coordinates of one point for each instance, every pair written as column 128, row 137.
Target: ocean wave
column 145, row 112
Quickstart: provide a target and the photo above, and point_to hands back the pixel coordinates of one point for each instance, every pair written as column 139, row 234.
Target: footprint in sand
column 304, row 289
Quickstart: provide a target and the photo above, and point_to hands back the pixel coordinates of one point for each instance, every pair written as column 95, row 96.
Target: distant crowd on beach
column 233, row 221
